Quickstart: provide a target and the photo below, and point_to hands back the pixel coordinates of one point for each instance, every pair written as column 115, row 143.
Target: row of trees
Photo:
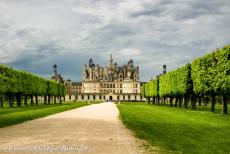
column 206, row 78
column 18, row 85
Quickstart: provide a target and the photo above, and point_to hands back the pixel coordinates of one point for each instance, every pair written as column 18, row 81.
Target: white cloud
column 128, row 52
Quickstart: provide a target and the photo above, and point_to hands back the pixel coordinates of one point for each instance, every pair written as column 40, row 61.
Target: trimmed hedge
column 207, row 78
column 18, row 84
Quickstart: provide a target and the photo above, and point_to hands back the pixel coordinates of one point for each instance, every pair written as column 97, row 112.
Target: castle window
column 94, row 97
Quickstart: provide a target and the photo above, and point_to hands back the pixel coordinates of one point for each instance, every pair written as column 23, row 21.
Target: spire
column 111, row 60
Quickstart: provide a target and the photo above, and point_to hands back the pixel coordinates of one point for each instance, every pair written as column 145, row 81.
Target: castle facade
column 112, row 82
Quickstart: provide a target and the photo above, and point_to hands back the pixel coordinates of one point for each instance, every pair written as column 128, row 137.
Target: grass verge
column 178, row 130
column 11, row 116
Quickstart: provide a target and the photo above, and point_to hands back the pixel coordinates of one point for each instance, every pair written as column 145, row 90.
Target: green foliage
column 143, row 90
column 207, row 75
column 13, row 82
column 176, row 83
column 211, row 73
column 3, row 79
column 151, row 88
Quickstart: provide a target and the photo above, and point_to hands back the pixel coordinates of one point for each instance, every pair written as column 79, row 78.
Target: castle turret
column 57, row 77
column 91, row 62
column 54, row 69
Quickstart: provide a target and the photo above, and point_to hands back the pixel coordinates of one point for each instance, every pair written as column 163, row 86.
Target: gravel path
column 93, row 129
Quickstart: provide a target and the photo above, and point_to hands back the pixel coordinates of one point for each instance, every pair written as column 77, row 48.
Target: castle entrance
column 110, row 98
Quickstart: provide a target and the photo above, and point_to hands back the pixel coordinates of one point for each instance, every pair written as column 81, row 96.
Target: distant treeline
column 205, row 80
column 16, row 86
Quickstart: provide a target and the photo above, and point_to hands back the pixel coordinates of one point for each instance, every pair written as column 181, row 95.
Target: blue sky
column 35, row 34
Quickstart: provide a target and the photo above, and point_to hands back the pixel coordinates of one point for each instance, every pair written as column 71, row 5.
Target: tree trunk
column 60, row 100
column 55, row 100
column 154, row 100
column 1, row 101
column 171, row 101
column 158, row 100
column 176, row 102
column 206, row 101
column 213, row 102
column 48, row 99
column 25, row 100
column 164, row 101
column 180, row 102
column 148, row 100
column 18, row 98
column 199, row 101
column 225, row 105
column 31, row 100
column 45, row 99
column 10, row 101
column 185, row 102
column 36, row 99
column 193, row 102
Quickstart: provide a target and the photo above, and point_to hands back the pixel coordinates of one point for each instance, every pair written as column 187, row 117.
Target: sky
column 35, row 34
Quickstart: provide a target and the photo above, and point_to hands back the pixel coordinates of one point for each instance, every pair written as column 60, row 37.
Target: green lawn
column 11, row 116
column 178, row 130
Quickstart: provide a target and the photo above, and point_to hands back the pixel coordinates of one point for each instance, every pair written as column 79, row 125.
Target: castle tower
column 84, row 72
column 164, row 69
column 55, row 69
